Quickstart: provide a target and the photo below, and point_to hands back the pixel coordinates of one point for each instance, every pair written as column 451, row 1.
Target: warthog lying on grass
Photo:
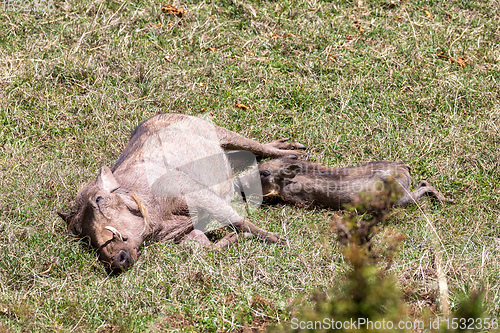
column 158, row 188
column 306, row 183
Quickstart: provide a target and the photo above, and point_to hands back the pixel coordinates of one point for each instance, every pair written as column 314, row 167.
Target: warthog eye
column 265, row 173
column 98, row 199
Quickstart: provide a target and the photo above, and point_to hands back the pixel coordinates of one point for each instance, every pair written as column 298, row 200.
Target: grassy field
column 355, row 81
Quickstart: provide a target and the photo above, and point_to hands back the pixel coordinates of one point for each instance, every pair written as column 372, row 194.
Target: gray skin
column 118, row 211
column 306, row 183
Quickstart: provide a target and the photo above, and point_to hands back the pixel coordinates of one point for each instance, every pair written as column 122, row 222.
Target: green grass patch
column 355, row 81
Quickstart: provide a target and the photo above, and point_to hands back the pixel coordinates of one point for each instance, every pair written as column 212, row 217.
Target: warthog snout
column 122, row 260
column 117, row 254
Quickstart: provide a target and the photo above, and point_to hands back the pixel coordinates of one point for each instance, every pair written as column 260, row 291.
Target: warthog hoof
column 285, row 145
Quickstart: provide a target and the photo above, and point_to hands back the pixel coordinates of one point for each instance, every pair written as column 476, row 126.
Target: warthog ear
column 290, row 170
column 106, row 180
column 71, row 221
column 66, row 216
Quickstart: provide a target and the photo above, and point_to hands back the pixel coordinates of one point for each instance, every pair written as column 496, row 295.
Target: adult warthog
column 306, row 183
column 174, row 172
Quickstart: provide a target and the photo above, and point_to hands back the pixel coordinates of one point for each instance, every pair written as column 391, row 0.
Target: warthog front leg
column 220, row 210
column 423, row 188
column 231, row 238
column 200, row 238
column 247, row 230
column 248, row 227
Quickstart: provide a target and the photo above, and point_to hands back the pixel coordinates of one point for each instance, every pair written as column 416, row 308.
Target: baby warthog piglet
column 307, row 183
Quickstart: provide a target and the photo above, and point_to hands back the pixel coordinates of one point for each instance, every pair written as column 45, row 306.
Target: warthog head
column 112, row 218
column 274, row 172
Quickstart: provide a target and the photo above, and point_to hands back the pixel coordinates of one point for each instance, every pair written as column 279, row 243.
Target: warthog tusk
column 114, row 231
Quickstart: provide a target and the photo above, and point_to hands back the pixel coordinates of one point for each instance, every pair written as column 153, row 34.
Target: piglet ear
column 290, row 170
column 66, row 216
column 106, row 180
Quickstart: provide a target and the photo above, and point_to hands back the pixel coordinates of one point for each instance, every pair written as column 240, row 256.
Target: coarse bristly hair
column 143, row 211
column 316, row 169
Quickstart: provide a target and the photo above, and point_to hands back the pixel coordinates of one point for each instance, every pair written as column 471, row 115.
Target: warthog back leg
column 423, row 188
column 279, row 148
